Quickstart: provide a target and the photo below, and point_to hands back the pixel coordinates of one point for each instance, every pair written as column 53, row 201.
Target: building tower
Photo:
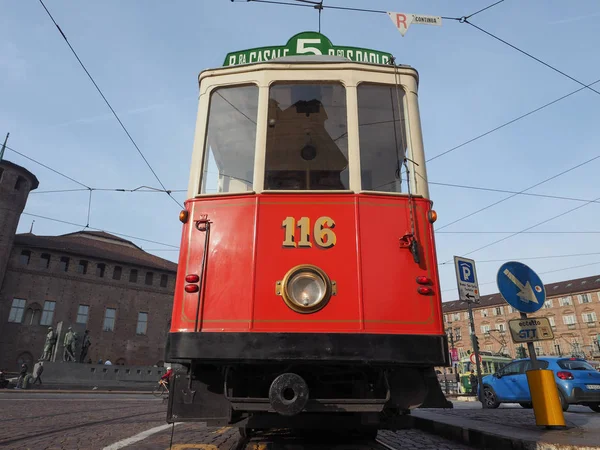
column 15, row 184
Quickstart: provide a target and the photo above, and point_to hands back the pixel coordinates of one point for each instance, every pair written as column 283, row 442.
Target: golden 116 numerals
column 323, row 234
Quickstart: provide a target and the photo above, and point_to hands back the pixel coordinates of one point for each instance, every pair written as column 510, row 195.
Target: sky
column 146, row 55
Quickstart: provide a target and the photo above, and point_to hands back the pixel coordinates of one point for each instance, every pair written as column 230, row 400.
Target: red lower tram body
column 252, row 358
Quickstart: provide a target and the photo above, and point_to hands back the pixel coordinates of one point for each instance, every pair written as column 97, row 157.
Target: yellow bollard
column 544, row 396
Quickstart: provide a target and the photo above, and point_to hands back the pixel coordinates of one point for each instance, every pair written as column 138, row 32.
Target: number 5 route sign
column 466, row 279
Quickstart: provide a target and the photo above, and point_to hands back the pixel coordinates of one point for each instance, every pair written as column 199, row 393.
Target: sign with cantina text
column 307, row 43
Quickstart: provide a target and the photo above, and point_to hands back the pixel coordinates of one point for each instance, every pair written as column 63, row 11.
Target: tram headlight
column 306, row 289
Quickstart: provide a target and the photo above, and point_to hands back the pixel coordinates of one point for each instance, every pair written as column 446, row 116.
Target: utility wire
column 317, row 6
column 528, row 228
column 539, row 273
column 47, row 167
column 522, row 259
column 98, row 229
column 510, row 122
column 481, row 10
column 107, row 103
column 519, row 232
column 533, row 57
column 522, row 191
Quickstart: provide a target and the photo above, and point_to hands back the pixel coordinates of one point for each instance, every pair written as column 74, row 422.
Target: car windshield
column 574, row 364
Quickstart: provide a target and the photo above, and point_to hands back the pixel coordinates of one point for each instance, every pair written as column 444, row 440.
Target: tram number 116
column 323, row 233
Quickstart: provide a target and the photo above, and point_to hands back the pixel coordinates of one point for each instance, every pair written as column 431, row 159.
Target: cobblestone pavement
column 90, row 422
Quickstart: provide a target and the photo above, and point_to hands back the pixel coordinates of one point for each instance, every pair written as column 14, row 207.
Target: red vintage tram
column 307, row 290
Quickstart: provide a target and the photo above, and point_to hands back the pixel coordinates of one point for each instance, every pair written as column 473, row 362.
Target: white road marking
column 139, row 437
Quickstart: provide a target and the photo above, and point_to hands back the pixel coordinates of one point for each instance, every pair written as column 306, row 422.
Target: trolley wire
column 108, row 103
column 482, row 10
column 98, row 229
column 523, row 259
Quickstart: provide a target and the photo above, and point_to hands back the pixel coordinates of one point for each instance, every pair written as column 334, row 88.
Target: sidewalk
column 509, row 428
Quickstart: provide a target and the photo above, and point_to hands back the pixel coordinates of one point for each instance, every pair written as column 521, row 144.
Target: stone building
column 88, row 280
column 572, row 307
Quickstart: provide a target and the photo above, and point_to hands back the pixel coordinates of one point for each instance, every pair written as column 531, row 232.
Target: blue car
column 577, row 381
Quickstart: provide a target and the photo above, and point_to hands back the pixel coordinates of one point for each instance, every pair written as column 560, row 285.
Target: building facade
column 571, row 306
column 87, row 280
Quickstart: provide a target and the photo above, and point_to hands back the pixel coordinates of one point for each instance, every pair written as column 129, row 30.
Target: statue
column 69, row 345
column 49, row 345
column 85, row 344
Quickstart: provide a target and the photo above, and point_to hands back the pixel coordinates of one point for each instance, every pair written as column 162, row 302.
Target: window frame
column 17, row 308
column 137, row 326
column 114, row 320
column 87, row 314
column 48, row 312
column 350, row 75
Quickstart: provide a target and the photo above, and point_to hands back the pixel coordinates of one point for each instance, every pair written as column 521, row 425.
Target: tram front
column 307, row 281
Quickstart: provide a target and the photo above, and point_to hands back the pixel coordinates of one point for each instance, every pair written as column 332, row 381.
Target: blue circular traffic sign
column 521, row 287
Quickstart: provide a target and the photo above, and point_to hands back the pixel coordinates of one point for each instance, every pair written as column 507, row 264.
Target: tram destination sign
column 307, row 43
column 530, row 329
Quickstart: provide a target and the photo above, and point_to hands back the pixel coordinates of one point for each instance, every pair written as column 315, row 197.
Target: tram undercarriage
column 302, row 393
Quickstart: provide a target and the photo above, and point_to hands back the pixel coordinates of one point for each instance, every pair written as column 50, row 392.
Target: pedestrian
column 22, row 375
column 37, row 373
column 474, row 382
column 107, row 363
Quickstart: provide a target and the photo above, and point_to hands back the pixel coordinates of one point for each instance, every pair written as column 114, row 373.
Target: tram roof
column 314, row 61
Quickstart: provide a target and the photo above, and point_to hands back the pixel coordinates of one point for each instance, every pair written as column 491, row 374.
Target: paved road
column 129, row 421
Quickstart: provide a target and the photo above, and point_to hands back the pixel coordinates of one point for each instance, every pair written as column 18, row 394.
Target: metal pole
column 476, row 351
column 531, row 348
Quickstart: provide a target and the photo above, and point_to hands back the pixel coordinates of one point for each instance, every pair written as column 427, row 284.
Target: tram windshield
column 307, row 137
column 231, row 140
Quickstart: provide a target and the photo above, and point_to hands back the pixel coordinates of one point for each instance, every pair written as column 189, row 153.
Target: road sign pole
column 476, row 351
column 531, row 348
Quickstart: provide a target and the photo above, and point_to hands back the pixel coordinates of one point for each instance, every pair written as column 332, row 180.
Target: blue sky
column 146, row 56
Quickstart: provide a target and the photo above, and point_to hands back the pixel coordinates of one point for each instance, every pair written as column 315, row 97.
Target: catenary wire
column 98, row 229
column 533, row 57
column 108, row 103
column 510, row 122
column 522, row 191
column 515, row 259
column 539, row 273
column 528, row 228
column 483, row 9
column 519, row 232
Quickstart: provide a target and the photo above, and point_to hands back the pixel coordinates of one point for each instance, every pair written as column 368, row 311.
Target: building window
column 565, row 301
column 500, row 327
column 21, row 182
column 584, row 298
column 48, row 313
column 456, row 317
column 109, row 319
column 149, row 278
column 133, row 276
column 142, row 323
column 511, row 310
column 45, row 260
column 16, row 310
column 548, row 304
column 557, row 350
column 445, row 318
column 466, row 316
column 485, row 329
column 457, row 334
column 117, row 271
column 484, row 313
column 82, row 267
column 570, row 319
column 25, row 257
column 100, row 268
column 589, row 317
column 498, row 310
column 538, row 351
column 164, row 279
column 64, row 264
column 551, row 320
column 82, row 314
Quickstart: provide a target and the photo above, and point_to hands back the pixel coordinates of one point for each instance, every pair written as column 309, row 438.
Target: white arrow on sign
column 526, row 294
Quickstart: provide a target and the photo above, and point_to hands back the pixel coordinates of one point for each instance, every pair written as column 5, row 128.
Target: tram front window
column 381, row 136
column 307, row 137
column 230, row 140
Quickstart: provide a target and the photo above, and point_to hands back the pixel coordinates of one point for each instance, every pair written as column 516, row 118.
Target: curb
column 468, row 434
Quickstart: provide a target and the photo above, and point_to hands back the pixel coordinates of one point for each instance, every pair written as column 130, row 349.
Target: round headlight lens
column 306, row 289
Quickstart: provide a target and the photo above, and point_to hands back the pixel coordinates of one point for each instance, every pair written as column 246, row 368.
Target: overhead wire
column 527, row 258
column 108, row 103
column 98, row 229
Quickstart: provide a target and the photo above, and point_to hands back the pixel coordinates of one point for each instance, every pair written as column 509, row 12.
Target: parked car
column 577, row 381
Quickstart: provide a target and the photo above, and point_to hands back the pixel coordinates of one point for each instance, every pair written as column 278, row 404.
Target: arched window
column 33, row 314
column 121, row 362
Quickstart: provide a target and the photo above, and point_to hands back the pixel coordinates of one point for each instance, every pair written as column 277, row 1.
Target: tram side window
column 307, row 137
column 382, row 138
column 230, row 140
